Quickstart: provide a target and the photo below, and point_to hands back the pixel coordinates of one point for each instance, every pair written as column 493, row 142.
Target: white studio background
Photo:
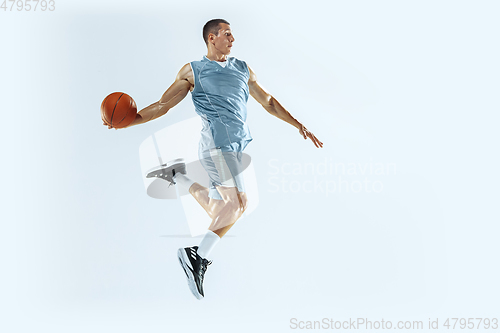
column 404, row 95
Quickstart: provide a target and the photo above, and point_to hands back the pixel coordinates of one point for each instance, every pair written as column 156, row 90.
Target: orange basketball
column 118, row 110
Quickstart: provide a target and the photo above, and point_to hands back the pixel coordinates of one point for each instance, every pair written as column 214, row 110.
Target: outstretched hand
column 306, row 134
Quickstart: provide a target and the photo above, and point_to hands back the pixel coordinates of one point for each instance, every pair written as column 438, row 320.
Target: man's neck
column 222, row 58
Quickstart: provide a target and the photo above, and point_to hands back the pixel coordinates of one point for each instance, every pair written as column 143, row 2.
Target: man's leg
column 193, row 259
column 227, row 195
column 234, row 205
column 200, row 194
column 224, row 203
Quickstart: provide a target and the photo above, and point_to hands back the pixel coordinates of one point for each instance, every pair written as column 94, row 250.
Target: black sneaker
column 167, row 171
column 195, row 267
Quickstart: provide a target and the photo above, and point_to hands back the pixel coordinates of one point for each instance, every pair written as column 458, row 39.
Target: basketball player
column 219, row 86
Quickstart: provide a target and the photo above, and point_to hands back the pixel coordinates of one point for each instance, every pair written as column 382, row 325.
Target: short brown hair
column 212, row 26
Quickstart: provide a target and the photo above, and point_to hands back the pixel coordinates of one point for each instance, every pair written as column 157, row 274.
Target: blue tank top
column 220, row 97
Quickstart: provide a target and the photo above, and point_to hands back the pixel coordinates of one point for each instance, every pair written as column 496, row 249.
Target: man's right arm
column 174, row 94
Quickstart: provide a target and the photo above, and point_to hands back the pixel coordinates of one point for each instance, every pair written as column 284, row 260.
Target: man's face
column 224, row 41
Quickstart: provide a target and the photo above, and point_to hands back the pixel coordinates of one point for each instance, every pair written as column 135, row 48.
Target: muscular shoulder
column 186, row 73
column 252, row 77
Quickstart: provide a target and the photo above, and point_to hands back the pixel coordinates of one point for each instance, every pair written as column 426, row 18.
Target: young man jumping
column 220, row 86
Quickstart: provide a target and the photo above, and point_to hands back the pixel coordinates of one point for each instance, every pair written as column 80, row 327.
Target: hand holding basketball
column 109, row 126
column 118, row 110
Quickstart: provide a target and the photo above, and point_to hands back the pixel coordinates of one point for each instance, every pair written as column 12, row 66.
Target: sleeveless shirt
column 220, row 97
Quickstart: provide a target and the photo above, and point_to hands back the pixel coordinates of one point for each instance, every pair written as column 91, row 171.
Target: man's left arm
column 276, row 109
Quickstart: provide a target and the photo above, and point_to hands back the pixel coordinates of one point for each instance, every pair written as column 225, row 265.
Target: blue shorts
column 224, row 168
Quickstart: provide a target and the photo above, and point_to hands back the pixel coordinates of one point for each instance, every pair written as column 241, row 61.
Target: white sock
column 208, row 243
column 183, row 180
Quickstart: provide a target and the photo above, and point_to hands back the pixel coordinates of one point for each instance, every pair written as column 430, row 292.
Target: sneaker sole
column 181, row 254
column 158, row 171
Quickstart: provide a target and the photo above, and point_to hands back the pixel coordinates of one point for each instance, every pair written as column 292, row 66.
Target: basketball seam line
column 115, row 108
column 126, row 114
